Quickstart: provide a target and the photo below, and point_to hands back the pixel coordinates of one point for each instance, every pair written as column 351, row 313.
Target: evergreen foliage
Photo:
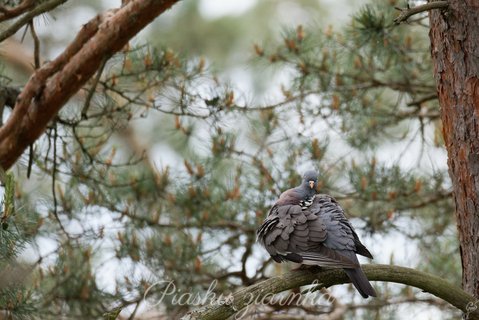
column 160, row 169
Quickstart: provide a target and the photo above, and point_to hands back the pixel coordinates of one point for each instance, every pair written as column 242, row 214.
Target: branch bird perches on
column 427, row 282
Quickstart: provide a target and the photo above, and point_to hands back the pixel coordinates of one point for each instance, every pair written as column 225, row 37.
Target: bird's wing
column 341, row 234
column 291, row 233
column 290, row 196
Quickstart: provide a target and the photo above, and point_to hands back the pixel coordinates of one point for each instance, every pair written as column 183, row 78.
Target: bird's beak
column 311, row 184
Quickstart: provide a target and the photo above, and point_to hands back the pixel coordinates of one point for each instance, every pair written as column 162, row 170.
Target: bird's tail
column 361, row 282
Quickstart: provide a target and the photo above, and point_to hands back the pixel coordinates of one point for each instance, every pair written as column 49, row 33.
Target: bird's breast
column 305, row 204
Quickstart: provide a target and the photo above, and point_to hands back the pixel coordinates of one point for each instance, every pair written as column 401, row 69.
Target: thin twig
column 36, row 55
column 54, row 171
column 133, row 314
column 422, row 100
column 15, row 11
column 42, row 8
column 86, row 106
column 30, row 161
column 406, row 13
column 36, row 44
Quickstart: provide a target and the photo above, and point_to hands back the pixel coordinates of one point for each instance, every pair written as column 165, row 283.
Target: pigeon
column 311, row 229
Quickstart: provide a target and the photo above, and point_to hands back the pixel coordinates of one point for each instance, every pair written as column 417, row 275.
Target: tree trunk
column 454, row 38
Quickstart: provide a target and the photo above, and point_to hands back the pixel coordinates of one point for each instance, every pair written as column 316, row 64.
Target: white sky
column 213, row 9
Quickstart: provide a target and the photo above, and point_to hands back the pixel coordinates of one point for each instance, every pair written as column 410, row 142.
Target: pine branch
column 10, row 13
column 42, row 8
column 52, row 85
column 294, row 279
column 406, row 13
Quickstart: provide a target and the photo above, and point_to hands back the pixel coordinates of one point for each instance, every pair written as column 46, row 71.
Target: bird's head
column 310, row 179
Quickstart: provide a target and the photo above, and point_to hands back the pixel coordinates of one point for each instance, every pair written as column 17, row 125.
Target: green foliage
column 18, row 226
column 165, row 172
column 362, row 76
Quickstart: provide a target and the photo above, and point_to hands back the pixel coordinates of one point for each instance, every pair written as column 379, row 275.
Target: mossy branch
column 294, row 279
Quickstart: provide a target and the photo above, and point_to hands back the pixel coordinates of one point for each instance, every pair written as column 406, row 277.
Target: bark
column 454, row 38
column 261, row 291
column 52, row 85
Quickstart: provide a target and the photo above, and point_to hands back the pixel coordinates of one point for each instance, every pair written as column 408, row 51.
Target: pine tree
column 135, row 163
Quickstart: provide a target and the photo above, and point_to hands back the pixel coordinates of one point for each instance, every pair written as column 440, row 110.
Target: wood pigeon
column 311, row 229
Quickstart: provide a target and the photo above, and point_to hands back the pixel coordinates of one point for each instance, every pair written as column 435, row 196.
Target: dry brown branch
column 52, row 85
column 10, row 13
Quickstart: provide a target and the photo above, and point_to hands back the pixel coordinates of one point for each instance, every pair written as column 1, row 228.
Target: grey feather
column 315, row 234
